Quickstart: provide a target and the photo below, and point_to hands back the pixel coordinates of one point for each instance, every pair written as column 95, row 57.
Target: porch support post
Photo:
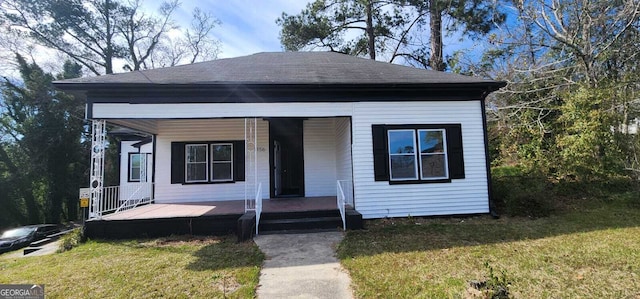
column 96, row 183
column 251, row 165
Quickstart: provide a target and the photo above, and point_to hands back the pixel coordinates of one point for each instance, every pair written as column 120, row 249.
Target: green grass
column 177, row 267
column 589, row 250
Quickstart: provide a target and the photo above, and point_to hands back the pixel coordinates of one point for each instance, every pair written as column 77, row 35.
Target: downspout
column 492, row 210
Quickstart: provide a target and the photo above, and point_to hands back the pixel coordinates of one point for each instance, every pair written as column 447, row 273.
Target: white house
column 135, row 164
column 398, row 141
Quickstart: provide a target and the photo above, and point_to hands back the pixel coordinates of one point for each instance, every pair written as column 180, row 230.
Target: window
column 196, row 164
column 222, row 162
column 207, row 162
column 134, row 167
column 402, row 155
column 405, row 154
column 433, row 154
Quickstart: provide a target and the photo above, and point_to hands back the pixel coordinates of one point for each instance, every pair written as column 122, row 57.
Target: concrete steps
column 38, row 245
column 300, row 221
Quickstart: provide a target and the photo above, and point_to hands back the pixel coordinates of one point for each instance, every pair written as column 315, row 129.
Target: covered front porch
column 224, row 169
column 229, row 207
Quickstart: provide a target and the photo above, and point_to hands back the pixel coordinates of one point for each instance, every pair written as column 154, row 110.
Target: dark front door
column 287, row 159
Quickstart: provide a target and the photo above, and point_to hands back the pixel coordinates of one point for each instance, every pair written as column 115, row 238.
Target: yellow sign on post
column 85, row 193
column 84, row 202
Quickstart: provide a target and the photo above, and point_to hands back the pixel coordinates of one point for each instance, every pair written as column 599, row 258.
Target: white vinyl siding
column 343, row 149
column 319, row 140
column 205, row 130
column 321, row 150
column 324, row 148
column 460, row 196
column 127, row 150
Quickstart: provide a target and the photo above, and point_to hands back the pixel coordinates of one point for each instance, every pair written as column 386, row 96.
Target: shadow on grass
column 211, row 253
column 420, row 234
column 226, row 254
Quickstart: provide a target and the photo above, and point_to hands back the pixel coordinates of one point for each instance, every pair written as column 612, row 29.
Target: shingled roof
column 281, row 77
column 282, row 68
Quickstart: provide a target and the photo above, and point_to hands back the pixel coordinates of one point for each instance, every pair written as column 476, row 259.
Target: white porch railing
column 341, row 201
column 258, row 206
column 347, row 188
column 121, row 198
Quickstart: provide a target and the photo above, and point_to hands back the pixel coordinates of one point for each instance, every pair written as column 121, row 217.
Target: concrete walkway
column 302, row 266
column 49, row 248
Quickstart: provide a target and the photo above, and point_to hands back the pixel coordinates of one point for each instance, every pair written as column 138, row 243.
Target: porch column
column 96, row 182
column 251, row 165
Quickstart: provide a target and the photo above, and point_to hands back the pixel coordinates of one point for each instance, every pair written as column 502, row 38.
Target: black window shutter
column 177, row 162
column 380, row 153
column 454, row 151
column 238, row 161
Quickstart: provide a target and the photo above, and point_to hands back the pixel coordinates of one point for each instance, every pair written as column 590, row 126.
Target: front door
column 287, row 158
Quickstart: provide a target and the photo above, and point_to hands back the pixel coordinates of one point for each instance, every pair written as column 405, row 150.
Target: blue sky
column 247, row 26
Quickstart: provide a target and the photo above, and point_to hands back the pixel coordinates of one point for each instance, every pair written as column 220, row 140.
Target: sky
column 247, row 26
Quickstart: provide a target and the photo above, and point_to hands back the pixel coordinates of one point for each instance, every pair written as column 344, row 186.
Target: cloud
column 247, row 26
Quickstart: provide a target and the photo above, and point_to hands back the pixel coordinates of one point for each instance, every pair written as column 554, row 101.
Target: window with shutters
column 207, row 162
column 423, row 153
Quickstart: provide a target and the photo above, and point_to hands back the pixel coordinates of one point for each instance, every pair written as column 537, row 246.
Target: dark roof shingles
column 283, row 68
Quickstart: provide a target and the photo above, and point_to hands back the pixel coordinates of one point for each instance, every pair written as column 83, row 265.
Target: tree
column 196, row 44
column 325, row 23
column 43, row 157
column 98, row 33
column 393, row 28
column 474, row 17
column 571, row 68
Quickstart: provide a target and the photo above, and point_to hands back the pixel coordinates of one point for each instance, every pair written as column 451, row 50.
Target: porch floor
column 216, row 208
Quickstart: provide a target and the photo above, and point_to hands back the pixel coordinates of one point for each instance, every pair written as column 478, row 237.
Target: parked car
column 20, row 237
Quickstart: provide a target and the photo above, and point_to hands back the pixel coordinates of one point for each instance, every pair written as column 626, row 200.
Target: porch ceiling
column 150, row 126
column 143, row 125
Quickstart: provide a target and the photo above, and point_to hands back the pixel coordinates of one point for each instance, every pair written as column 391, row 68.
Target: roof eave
column 242, row 92
column 89, row 87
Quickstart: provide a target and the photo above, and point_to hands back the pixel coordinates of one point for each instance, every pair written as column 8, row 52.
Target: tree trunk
column 371, row 39
column 109, row 52
column 435, row 25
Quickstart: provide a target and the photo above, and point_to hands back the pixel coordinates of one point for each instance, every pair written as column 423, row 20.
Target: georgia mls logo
column 36, row 290
column 21, row 291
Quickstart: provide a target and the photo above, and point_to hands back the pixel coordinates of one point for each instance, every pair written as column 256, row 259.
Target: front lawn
column 587, row 251
column 177, row 267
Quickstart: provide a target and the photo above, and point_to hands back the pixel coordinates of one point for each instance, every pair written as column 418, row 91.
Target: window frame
column 455, row 153
column 180, row 152
column 415, row 162
column 186, row 163
column 130, row 178
column 213, row 161
column 444, row 153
